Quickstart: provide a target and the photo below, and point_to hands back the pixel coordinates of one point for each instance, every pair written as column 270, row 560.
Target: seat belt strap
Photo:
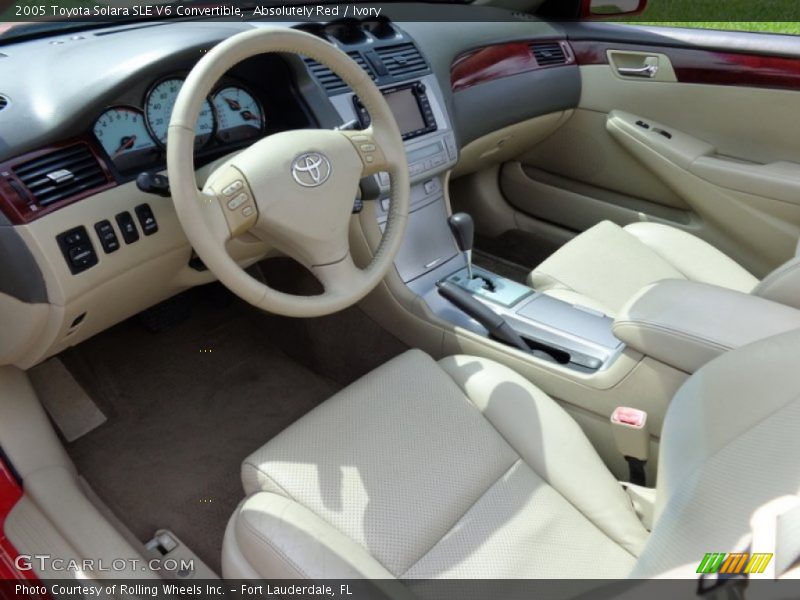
column 775, row 536
column 776, row 528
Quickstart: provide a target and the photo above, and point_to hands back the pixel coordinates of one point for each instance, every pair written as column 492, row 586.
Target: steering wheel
column 294, row 189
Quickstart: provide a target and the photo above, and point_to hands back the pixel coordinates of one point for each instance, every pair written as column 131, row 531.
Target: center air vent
column 402, row 59
column 330, row 80
column 61, row 174
column 549, row 53
column 3, row 101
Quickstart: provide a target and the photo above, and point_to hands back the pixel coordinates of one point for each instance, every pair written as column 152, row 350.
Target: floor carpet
column 184, row 407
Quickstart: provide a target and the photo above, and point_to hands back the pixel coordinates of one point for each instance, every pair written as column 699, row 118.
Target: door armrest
column 638, row 134
column 686, row 324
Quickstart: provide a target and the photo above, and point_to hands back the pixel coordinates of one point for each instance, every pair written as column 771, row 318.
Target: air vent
column 3, row 101
column 330, row 80
column 61, row 174
column 402, row 59
column 548, row 54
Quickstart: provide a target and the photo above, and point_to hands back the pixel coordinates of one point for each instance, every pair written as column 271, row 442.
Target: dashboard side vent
column 61, row 174
column 3, row 101
column 329, row 80
column 548, row 54
column 402, row 59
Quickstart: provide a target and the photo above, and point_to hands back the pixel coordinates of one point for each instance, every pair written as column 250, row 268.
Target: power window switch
column 147, row 219
column 127, row 227
column 108, row 237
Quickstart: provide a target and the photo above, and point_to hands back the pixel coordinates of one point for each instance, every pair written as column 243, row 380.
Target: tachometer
column 239, row 115
column 122, row 133
column 158, row 108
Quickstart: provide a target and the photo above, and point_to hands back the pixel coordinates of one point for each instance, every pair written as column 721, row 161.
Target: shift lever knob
column 463, row 228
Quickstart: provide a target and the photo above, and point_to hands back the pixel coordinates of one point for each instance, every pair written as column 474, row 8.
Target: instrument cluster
column 135, row 137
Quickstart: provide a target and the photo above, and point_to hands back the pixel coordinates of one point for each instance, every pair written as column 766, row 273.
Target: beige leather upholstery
column 729, row 446
column 465, row 469
column 686, row 324
column 606, row 265
column 420, row 470
column 783, row 284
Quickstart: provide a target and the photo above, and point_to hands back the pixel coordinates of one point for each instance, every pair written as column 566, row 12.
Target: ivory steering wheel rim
column 284, row 192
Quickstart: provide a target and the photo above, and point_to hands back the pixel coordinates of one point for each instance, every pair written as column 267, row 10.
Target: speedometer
column 158, row 109
column 239, row 114
column 122, row 133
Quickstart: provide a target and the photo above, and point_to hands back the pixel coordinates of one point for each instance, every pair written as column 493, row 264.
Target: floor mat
column 184, row 408
column 67, row 403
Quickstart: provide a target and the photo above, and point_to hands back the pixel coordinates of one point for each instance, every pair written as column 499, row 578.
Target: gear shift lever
column 463, row 228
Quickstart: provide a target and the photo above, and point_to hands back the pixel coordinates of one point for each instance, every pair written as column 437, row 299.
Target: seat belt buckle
column 632, row 438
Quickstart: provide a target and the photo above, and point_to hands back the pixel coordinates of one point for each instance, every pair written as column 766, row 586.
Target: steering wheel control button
column 77, row 249
column 108, row 237
column 147, row 219
column 233, row 188
column 248, row 211
column 127, row 227
column 238, row 201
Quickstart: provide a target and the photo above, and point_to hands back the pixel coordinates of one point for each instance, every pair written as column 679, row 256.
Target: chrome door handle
column 648, row 71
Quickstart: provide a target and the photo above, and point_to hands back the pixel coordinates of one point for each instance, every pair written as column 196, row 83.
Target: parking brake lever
column 495, row 324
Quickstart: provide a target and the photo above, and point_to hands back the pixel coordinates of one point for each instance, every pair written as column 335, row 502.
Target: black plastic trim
column 20, row 276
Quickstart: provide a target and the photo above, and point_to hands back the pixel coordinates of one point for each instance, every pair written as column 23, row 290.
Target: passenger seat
column 605, row 266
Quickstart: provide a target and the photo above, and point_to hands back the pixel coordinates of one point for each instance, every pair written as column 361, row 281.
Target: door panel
column 735, row 187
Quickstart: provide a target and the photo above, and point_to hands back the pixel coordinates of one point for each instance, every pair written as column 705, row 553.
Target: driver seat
column 462, row 468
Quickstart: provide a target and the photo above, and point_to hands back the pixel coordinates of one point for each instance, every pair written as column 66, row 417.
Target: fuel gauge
column 239, row 115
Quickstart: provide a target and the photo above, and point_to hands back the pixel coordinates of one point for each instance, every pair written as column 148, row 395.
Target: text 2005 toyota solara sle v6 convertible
column 496, row 295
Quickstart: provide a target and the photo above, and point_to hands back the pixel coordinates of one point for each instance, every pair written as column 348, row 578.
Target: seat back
column 730, row 444
column 783, row 284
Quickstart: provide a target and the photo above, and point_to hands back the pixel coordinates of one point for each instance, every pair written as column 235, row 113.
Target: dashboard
column 84, row 247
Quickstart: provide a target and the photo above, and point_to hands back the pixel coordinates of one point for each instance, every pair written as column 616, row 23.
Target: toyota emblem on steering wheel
column 311, row 169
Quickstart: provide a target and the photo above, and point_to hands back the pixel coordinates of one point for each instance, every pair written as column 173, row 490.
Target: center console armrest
column 685, row 324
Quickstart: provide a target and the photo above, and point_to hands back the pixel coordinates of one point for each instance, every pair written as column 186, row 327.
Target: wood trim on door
column 706, row 66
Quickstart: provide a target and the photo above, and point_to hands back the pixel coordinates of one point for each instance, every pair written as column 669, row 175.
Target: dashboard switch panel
column 147, row 219
column 108, row 237
column 77, row 249
column 127, row 227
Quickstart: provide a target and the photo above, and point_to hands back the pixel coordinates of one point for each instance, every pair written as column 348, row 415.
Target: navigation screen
column 406, row 111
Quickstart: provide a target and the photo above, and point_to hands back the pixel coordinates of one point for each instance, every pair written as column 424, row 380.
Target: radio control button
column 238, row 201
column 367, row 147
column 233, row 188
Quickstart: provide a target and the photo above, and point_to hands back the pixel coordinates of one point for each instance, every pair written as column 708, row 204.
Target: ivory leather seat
column 462, row 468
column 606, row 265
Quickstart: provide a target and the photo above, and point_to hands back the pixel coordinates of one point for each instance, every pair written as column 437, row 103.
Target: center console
column 548, row 329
